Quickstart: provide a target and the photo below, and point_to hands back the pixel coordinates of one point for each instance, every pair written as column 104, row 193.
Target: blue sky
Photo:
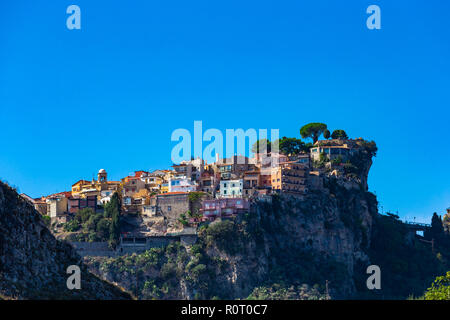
column 110, row 95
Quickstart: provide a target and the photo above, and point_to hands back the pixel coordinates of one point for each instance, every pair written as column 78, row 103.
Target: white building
column 231, row 188
column 105, row 196
column 56, row 205
column 182, row 184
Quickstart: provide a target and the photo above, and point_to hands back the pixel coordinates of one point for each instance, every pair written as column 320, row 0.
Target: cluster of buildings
column 224, row 188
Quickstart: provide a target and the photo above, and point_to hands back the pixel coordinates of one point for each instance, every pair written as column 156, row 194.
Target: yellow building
column 165, row 187
column 81, row 187
column 84, row 188
column 168, row 175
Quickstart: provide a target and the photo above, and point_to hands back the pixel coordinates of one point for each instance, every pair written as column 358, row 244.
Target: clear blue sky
column 110, row 95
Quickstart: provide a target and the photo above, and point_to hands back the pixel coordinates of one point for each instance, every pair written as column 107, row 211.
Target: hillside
column 33, row 263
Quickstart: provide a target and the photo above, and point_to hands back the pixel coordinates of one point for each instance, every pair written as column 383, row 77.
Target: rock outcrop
column 33, row 263
column 286, row 241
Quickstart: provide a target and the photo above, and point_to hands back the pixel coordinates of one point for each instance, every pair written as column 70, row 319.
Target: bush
column 223, row 235
column 440, row 288
column 72, row 226
column 47, row 220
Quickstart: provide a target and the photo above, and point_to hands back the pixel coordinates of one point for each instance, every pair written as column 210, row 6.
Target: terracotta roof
column 139, row 173
column 66, row 194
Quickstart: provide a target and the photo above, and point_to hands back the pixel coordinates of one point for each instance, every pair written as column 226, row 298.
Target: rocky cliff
column 33, row 263
column 286, row 242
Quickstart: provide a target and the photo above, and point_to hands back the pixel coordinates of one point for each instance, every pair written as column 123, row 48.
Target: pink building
column 224, row 207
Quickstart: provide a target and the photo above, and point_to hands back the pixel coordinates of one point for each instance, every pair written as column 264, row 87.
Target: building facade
column 290, row 177
column 224, row 208
column 231, row 188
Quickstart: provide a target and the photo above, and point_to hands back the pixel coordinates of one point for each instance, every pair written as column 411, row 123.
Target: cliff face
column 288, row 242
column 285, row 243
column 33, row 263
column 294, row 242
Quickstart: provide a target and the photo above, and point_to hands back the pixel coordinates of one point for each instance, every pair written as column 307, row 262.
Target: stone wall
column 172, row 206
column 102, row 249
column 97, row 249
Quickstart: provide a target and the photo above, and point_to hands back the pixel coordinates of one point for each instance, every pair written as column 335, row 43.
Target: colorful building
column 224, row 208
column 57, row 204
column 251, row 182
column 333, row 149
column 76, row 204
column 290, row 177
column 231, row 188
column 182, row 184
column 84, row 188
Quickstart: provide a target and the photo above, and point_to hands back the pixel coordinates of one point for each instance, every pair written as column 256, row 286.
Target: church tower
column 102, row 176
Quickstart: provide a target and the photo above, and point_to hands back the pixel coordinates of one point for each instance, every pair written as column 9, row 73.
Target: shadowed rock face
column 33, row 263
column 288, row 241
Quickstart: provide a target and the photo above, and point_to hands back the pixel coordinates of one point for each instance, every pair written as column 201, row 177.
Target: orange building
column 289, row 177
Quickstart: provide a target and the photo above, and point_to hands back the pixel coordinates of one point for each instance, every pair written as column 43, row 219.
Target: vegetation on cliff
column 88, row 226
column 440, row 288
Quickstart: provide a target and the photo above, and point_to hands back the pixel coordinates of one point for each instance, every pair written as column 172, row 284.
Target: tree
column 83, row 215
column 291, row 146
column 260, row 144
column 339, row 134
column 313, row 130
column 103, row 227
column 437, row 228
column 326, row 134
column 112, row 210
column 114, row 228
column 440, row 289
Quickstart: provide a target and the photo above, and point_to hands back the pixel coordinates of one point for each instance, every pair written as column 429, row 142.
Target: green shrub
column 440, row 288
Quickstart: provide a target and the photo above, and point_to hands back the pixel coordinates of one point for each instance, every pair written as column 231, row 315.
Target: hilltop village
column 170, row 204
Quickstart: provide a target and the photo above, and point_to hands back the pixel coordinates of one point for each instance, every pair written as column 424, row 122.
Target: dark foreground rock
column 33, row 263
